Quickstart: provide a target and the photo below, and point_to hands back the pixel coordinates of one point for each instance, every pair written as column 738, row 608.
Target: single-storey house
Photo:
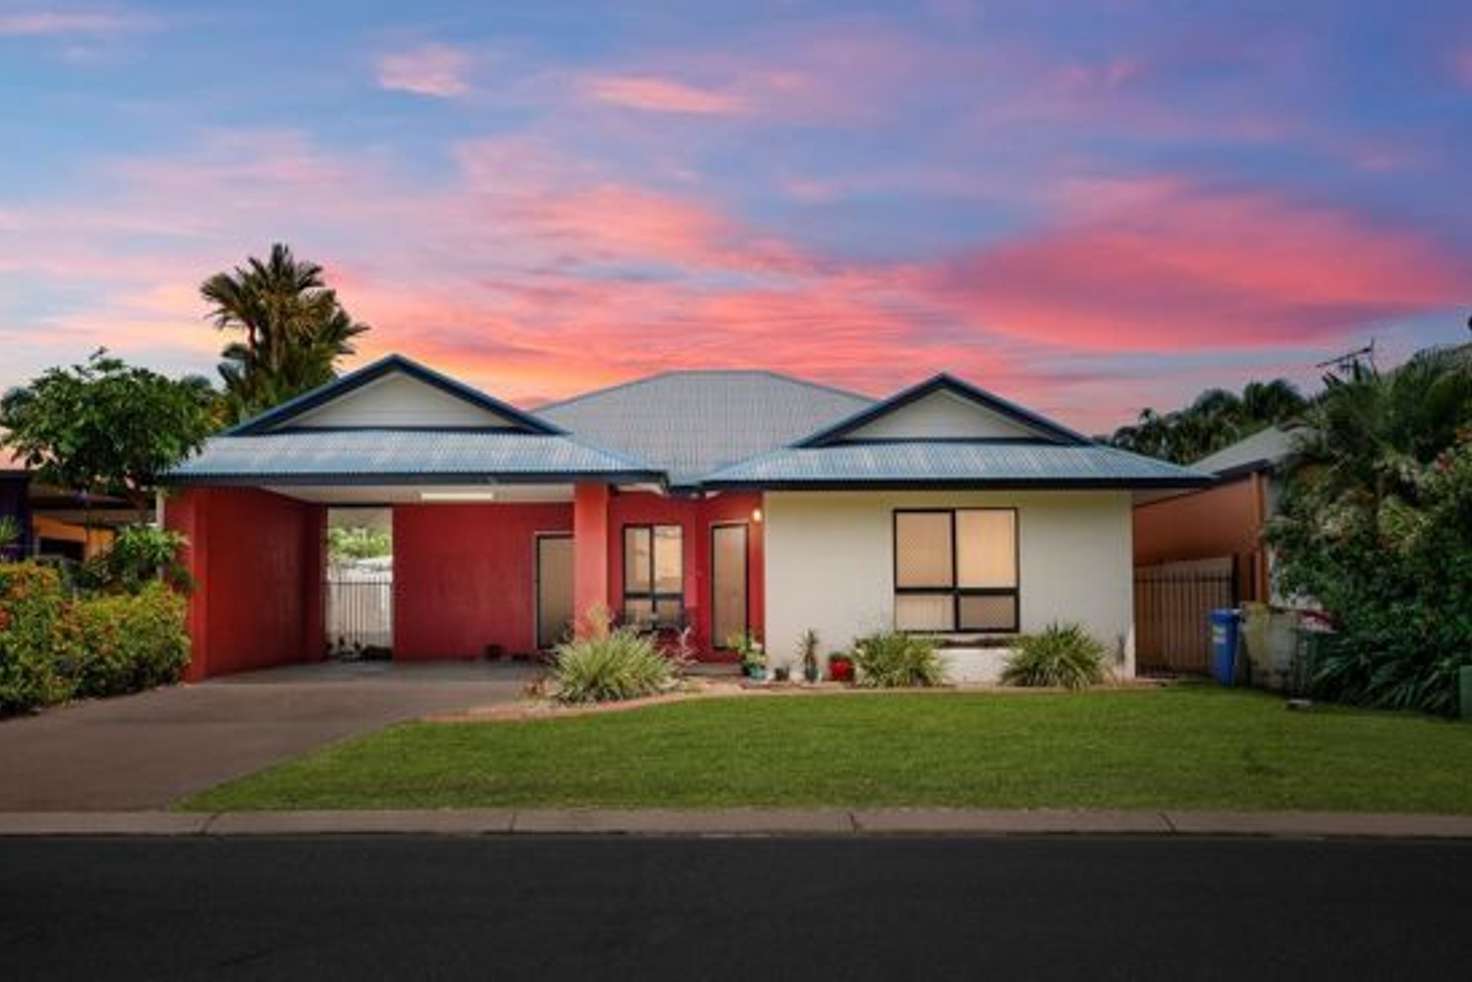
column 722, row 501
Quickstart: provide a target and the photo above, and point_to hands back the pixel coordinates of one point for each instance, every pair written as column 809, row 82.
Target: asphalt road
column 503, row 908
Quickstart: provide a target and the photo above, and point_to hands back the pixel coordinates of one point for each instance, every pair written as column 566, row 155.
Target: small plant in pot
column 840, row 667
column 782, row 673
column 753, row 655
column 807, row 649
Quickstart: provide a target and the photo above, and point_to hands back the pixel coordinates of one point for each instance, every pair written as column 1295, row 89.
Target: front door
column 554, row 589
column 728, row 617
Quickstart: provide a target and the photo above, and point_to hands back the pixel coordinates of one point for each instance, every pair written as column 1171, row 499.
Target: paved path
column 588, row 908
column 145, row 751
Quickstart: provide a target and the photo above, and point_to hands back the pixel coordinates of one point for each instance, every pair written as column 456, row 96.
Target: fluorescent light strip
column 457, row 496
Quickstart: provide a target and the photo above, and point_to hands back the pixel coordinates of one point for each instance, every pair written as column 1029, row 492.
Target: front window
column 654, row 576
column 955, row 570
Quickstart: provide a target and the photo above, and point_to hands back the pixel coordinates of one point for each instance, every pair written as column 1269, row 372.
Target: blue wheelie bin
column 1224, row 645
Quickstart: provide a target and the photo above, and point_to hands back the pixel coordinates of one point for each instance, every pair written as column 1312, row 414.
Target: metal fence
column 359, row 611
column 1172, row 603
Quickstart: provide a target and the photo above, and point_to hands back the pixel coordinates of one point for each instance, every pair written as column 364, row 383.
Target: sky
column 1088, row 207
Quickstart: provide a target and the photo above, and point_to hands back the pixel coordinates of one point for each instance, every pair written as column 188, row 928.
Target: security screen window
column 955, row 570
column 654, row 576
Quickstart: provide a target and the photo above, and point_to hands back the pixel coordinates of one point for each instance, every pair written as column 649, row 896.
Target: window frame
column 653, row 595
column 955, row 591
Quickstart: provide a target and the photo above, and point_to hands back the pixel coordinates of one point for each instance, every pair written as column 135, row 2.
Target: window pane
column 923, row 612
column 668, row 559
column 986, row 548
column 989, row 613
column 668, row 613
column 922, row 549
column 639, row 613
column 636, row 560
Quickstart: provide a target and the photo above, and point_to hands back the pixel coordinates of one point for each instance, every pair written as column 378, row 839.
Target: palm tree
column 1213, row 420
column 294, row 329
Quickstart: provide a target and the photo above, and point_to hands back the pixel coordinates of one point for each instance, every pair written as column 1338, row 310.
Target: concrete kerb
column 829, row 822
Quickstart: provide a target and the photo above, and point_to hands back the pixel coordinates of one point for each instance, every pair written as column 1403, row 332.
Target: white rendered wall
column 399, row 400
column 941, row 415
column 830, row 566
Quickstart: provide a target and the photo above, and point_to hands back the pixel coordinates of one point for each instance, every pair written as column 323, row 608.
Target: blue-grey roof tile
column 690, row 423
column 307, row 454
column 979, row 462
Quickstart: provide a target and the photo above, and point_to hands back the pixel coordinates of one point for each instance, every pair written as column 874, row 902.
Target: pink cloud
column 52, row 23
column 1462, row 65
column 663, row 95
column 1164, row 264
column 437, row 70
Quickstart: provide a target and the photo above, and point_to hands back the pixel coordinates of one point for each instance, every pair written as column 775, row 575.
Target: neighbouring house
column 724, row 502
column 15, row 484
column 1223, row 522
column 54, row 522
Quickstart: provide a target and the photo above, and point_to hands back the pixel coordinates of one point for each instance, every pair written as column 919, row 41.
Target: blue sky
column 1090, row 207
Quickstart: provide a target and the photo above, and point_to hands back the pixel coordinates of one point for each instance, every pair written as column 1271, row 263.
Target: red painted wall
column 257, row 561
column 464, row 577
column 695, row 518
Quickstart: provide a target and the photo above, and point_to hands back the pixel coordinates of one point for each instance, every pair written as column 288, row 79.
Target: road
column 568, row 907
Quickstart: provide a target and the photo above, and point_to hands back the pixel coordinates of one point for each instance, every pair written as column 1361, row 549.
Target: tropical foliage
column 893, row 659
column 9, row 536
column 620, row 663
column 105, row 427
column 140, row 555
column 1375, row 526
column 1216, row 419
column 358, row 542
column 292, row 330
column 1062, row 655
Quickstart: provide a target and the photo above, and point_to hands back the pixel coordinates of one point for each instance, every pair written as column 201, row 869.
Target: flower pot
column 841, row 669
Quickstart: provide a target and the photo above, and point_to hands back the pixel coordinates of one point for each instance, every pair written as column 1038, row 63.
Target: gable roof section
column 951, row 463
column 689, row 423
column 1263, row 450
column 293, row 409
column 1046, row 429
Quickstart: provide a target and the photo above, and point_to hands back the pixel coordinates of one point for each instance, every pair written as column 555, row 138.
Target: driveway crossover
column 147, row 750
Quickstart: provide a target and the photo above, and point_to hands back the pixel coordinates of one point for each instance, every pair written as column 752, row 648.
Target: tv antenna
column 1349, row 358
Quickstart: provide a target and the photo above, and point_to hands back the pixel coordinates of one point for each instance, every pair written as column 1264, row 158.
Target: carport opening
column 360, row 583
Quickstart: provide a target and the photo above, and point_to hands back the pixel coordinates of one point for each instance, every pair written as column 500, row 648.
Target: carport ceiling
column 395, row 494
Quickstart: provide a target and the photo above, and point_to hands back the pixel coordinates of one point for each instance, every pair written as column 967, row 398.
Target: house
column 54, row 522
column 1224, row 521
column 722, row 501
column 15, row 505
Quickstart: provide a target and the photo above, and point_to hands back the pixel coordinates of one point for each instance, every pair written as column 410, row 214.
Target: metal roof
column 1263, row 449
column 690, row 423
column 383, row 456
column 979, row 463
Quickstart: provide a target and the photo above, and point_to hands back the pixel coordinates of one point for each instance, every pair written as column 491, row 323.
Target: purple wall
column 13, row 503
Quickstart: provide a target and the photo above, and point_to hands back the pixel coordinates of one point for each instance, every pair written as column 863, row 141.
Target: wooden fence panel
column 1172, row 603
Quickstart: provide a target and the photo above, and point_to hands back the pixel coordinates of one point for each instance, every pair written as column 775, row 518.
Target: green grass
column 1189, row 747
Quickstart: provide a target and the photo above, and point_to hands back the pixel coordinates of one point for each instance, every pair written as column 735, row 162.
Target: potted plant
column 807, row 649
column 753, row 656
column 782, row 673
column 840, row 667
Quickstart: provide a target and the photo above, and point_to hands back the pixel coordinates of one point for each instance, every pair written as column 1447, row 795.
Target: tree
column 294, row 330
column 1213, row 420
column 1375, row 525
column 104, row 427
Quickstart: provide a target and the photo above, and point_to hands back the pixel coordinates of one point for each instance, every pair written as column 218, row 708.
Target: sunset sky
column 1088, row 207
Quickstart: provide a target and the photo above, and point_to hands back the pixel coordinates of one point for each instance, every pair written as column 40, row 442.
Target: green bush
column 1062, row 655
column 129, row 643
column 139, row 555
column 892, row 659
column 610, row 666
column 34, row 666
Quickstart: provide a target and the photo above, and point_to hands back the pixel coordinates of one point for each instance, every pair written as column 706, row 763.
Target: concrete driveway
column 147, row 750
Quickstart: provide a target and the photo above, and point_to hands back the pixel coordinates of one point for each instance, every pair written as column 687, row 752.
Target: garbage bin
column 1224, row 645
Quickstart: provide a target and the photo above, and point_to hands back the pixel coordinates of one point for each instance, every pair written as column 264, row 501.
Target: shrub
column 34, row 667
column 891, row 659
column 1062, row 655
column 129, row 643
column 140, row 555
column 618, row 664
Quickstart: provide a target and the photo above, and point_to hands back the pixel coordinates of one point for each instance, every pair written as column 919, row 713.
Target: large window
column 654, row 576
column 955, row 570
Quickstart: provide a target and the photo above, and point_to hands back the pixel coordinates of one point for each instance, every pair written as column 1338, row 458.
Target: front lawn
column 1184, row 747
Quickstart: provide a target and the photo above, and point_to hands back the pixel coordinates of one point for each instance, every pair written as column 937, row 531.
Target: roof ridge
column 670, row 372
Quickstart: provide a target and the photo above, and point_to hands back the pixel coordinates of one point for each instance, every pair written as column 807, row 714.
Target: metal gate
column 1172, row 602
column 360, row 611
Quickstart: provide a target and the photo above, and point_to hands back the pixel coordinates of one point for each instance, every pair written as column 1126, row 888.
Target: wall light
column 756, row 515
column 457, row 496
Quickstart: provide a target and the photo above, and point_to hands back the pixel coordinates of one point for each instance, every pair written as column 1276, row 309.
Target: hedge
column 53, row 648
